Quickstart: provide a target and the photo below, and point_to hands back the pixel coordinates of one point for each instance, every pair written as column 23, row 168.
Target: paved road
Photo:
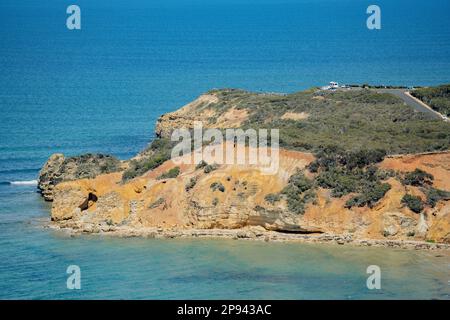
column 411, row 102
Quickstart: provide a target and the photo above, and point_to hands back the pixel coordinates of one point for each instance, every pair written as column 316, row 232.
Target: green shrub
column 354, row 171
column 436, row 195
column 418, row 178
column 201, row 165
column 157, row 203
column 272, row 198
column 86, row 166
column 210, row 167
column 385, row 174
column 156, row 154
column 296, row 205
column 349, row 120
column 172, row 173
column 217, row 186
column 191, row 184
column 340, row 181
column 413, row 202
column 309, row 196
column 299, row 181
column 362, row 158
column 371, row 195
column 313, row 166
column 333, row 156
column 156, row 146
column 298, row 192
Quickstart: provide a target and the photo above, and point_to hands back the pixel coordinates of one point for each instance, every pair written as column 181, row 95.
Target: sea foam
column 24, row 183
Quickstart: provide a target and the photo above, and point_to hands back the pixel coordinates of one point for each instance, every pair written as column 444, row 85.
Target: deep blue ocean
column 101, row 89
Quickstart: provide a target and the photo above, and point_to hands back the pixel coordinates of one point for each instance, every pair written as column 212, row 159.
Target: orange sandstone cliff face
column 167, row 203
column 177, row 203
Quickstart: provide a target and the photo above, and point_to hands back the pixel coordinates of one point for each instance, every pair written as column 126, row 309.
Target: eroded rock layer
column 190, row 201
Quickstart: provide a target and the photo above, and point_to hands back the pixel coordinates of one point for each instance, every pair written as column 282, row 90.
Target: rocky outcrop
column 181, row 204
column 48, row 174
column 148, row 201
column 90, row 194
column 58, row 169
column 214, row 112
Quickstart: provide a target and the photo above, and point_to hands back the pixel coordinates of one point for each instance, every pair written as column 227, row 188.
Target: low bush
column 152, row 157
column 210, row 168
column 86, row 166
column 217, row 186
column 413, row 202
column 298, row 192
column 201, row 165
column 436, row 195
column 340, row 181
column 300, row 182
column 332, row 156
column 172, row 173
column 370, row 197
column 346, row 172
column 157, row 203
column 418, row 178
column 191, row 184
column 272, row 198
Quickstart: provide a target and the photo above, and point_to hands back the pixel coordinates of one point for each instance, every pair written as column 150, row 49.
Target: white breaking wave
column 25, row 183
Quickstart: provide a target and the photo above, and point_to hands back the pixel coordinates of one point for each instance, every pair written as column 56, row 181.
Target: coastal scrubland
column 345, row 120
column 353, row 161
column 348, row 131
column 437, row 98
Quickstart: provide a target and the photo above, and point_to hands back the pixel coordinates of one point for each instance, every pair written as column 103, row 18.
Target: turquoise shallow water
column 101, row 90
column 34, row 261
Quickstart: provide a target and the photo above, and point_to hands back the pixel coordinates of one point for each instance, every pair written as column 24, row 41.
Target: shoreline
column 157, row 196
column 248, row 233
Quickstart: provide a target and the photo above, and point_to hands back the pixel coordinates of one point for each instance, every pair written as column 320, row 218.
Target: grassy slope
column 349, row 120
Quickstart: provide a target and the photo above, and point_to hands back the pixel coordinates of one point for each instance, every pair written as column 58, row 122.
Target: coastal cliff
column 58, row 169
column 188, row 201
column 349, row 166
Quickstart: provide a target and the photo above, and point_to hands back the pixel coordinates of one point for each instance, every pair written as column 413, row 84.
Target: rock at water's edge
column 58, row 169
column 47, row 175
